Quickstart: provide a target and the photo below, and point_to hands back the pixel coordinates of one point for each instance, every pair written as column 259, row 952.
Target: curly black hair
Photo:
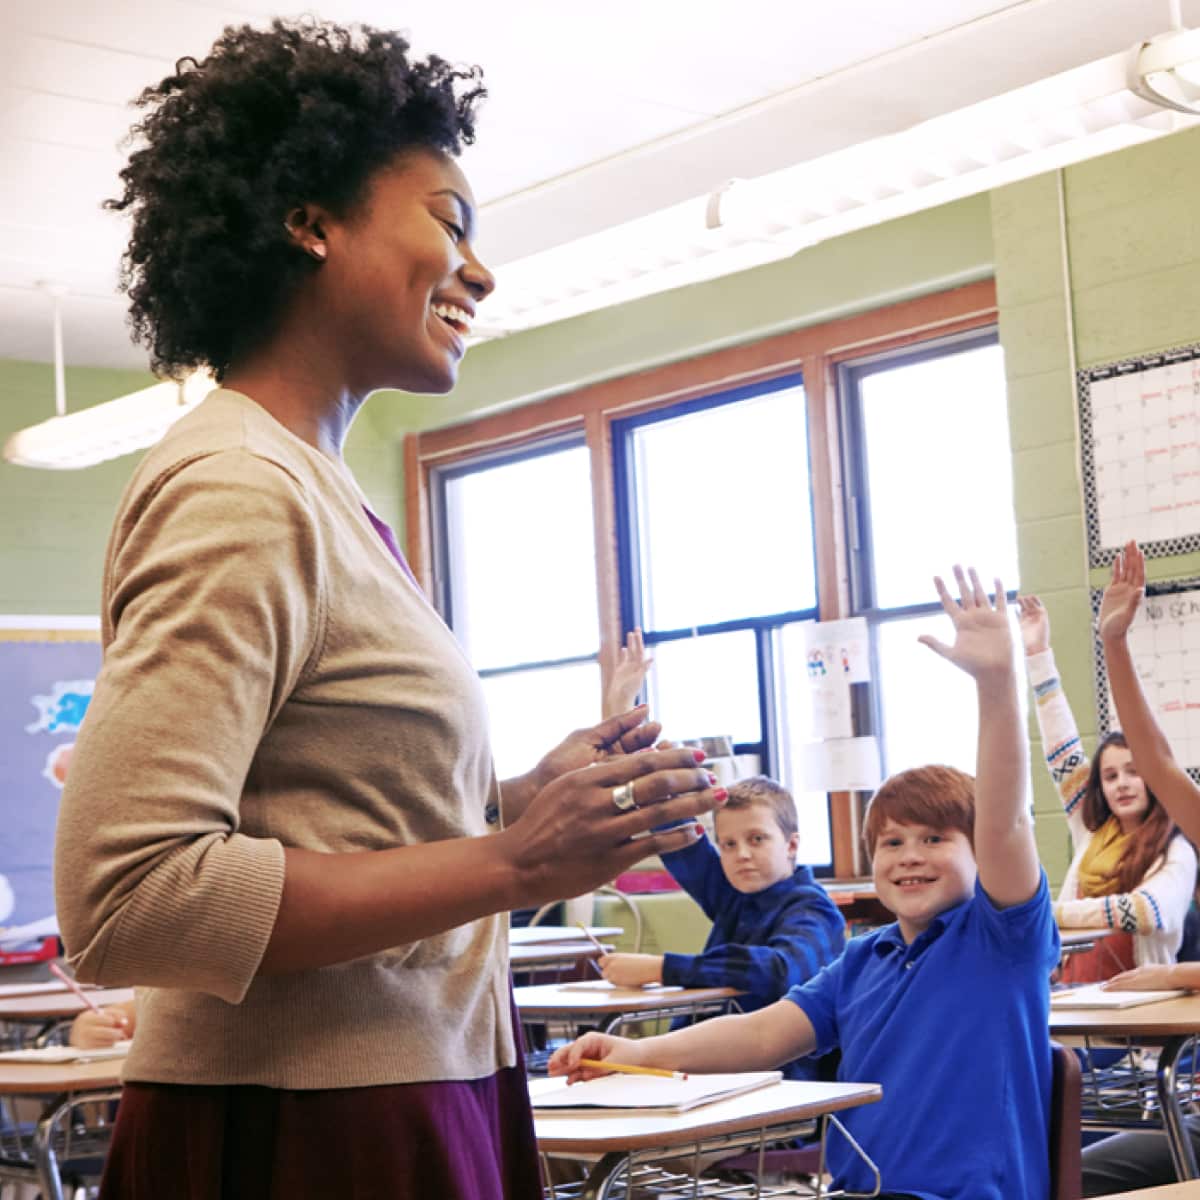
column 304, row 112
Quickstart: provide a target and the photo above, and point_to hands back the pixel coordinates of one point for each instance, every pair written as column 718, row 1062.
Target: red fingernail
column 699, row 830
column 721, row 796
column 711, row 777
column 699, row 755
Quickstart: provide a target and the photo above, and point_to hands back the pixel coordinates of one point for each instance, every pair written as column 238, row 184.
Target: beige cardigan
column 271, row 678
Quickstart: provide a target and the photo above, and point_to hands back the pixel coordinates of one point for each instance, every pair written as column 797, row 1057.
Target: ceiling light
column 1050, row 124
column 104, row 431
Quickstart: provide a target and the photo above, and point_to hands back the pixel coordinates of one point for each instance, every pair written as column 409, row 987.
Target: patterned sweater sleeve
column 1158, row 905
column 1065, row 759
column 806, row 935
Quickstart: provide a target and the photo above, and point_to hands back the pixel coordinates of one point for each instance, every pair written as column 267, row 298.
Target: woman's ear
column 305, row 226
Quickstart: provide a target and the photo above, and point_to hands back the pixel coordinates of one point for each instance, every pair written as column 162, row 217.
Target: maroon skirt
column 461, row 1140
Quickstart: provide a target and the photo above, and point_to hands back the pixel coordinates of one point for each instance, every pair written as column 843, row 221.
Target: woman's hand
column 626, row 733
column 97, row 1031
column 628, row 674
column 589, row 825
column 1034, row 622
column 982, row 638
column 566, row 1059
column 632, row 970
column 1123, row 596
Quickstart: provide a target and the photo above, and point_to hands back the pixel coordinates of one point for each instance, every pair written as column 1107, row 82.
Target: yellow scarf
column 1101, row 860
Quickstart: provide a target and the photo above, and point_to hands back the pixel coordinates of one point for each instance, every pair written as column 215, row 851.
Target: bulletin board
column 46, row 678
column 1165, row 643
column 1139, row 425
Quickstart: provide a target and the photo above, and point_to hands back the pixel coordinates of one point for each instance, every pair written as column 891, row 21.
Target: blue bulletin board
column 46, row 678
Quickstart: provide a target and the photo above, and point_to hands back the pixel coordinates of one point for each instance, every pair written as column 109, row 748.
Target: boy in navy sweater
column 773, row 927
column 948, row 1008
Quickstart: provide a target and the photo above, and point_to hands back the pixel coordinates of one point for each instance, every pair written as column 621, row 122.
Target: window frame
column 814, row 351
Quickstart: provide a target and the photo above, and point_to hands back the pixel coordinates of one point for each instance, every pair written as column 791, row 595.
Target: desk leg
column 1172, row 1113
column 602, row 1176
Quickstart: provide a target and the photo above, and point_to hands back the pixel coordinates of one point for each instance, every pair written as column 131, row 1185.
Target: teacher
column 278, row 810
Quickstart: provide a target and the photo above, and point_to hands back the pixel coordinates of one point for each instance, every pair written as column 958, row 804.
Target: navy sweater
column 762, row 943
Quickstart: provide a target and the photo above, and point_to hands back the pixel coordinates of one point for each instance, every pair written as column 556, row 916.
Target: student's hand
column 628, row 674
column 632, row 970
column 1123, row 596
column 982, row 638
column 1034, row 622
column 626, row 733
column 1151, row 978
column 591, row 824
column 565, row 1060
column 96, row 1031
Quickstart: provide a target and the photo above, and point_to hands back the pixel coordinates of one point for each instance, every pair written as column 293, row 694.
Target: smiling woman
column 276, row 813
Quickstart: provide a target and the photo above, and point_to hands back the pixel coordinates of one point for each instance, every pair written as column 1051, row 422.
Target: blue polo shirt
column 956, row 1029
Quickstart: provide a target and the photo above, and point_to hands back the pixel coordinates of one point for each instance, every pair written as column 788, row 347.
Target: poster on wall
column 46, row 679
column 1139, row 426
column 1165, row 643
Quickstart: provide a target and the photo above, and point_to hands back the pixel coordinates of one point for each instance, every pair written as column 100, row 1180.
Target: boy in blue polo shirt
column 948, row 1008
column 773, row 927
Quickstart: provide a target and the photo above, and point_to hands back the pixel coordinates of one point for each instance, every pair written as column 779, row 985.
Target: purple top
column 389, row 540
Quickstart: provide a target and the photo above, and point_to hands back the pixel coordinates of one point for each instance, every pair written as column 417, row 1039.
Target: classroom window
column 929, row 477
column 716, row 561
column 516, row 574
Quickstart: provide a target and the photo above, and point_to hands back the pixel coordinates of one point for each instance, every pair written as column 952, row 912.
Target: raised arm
column 627, row 676
column 1065, row 759
column 1149, row 746
column 1004, row 844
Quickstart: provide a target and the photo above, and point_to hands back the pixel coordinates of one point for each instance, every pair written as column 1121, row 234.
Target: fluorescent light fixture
column 108, row 430
column 1079, row 114
column 92, row 435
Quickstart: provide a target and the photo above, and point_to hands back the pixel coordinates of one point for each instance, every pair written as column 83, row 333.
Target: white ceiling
column 596, row 114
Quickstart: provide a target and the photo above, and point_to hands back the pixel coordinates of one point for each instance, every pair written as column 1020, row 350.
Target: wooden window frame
column 815, row 351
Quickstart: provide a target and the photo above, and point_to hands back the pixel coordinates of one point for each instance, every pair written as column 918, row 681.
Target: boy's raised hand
column 1124, row 594
column 982, row 637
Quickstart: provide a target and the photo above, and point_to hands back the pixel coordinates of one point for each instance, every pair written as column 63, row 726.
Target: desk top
column 520, row 957
column 1164, row 1018
column 50, row 1006
column 38, row 1079
column 763, row 1108
column 1082, row 937
column 1172, row 1191
column 600, row 998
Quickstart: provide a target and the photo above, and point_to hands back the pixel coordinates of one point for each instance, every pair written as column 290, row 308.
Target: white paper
column 840, row 765
column 844, row 648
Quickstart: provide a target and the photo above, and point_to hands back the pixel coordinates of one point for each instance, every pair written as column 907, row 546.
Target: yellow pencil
column 603, row 1064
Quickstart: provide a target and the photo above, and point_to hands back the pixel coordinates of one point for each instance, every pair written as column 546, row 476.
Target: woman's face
column 1123, row 788
column 401, row 281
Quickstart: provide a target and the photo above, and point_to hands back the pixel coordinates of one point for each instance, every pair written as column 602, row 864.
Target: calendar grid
column 1139, row 425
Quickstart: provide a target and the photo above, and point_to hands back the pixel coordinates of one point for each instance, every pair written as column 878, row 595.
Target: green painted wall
column 1132, row 240
column 54, row 524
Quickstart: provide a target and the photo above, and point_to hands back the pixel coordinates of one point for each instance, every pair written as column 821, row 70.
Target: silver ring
column 622, row 797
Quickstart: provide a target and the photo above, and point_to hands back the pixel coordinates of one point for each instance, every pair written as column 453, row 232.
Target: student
column 628, row 675
column 948, row 1008
column 774, row 926
column 112, row 1024
column 1132, row 871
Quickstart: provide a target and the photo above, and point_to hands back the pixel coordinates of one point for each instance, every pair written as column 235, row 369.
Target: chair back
column 1066, row 1093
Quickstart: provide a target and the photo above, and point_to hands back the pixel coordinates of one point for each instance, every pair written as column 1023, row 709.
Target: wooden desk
column 62, row 1088
column 596, row 1003
column 1169, row 1024
column 636, row 1147
column 55, row 1006
column 1172, row 1191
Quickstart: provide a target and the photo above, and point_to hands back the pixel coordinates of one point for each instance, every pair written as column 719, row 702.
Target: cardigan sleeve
column 214, row 610
column 1158, row 905
column 1067, row 763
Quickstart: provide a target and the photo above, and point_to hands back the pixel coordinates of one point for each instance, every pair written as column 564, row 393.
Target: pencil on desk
column 602, row 1064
